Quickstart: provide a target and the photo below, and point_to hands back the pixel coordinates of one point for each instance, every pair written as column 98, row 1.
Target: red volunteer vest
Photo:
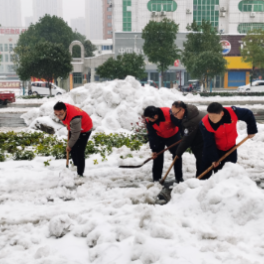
column 166, row 128
column 225, row 136
column 73, row 111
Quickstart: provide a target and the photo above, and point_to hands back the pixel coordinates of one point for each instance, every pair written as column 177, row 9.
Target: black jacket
column 189, row 127
column 210, row 150
column 154, row 139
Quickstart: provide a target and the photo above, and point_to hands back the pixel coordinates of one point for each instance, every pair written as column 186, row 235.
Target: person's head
column 151, row 113
column 215, row 112
column 178, row 109
column 60, row 110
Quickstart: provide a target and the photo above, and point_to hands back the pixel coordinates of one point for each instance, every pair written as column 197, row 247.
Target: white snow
column 111, row 218
column 117, row 105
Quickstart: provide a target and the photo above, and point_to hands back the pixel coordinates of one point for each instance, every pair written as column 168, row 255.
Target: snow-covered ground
column 111, row 218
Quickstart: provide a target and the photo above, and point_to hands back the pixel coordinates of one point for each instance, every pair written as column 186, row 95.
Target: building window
column 162, row 5
column 109, row 1
column 77, row 77
column 1, row 58
column 107, row 47
column 127, row 25
column 10, row 47
column 1, row 47
column 6, row 58
column 6, row 47
column 251, row 6
column 109, row 24
column 109, row 17
column 10, row 68
column 206, row 10
column 109, row 9
column 109, row 32
column 245, row 27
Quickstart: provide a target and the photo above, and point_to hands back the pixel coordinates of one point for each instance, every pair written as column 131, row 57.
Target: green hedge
column 24, row 146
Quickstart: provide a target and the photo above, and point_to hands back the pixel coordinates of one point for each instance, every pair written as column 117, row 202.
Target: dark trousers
column 78, row 152
column 231, row 158
column 198, row 153
column 158, row 162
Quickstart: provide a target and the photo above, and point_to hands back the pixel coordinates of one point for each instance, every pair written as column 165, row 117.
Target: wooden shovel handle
column 67, row 160
column 174, row 144
column 165, row 176
column 223, row 157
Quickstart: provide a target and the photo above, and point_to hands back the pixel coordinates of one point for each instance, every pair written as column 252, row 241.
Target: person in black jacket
column 188, row 117
column 219, row 132
column 162, row 132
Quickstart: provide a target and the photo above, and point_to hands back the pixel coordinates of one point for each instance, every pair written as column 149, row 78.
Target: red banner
column 11, row 85
column 12, row 31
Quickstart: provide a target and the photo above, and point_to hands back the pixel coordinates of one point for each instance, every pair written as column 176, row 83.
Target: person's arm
column 209, row 149
column 76, row 127
column 246, row 115
column 153, row 137
column 187, row 140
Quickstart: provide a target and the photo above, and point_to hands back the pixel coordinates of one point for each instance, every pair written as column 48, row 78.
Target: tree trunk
column 252, row 75
column 162, row 79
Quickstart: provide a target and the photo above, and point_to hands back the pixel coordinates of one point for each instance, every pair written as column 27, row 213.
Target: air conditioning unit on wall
column 222, row 14
column 223, row 9
column 153, row 13
column 163, row 13
column 188, row 11
column 252, row 14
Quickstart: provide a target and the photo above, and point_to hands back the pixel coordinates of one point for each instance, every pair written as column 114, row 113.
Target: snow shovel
column 164, row 195
column 147, row 160
column 161, row 181
column 223, row 157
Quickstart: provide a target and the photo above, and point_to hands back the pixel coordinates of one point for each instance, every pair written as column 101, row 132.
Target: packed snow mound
column 113, row 106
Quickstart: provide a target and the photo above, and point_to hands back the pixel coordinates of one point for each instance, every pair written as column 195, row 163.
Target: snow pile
column 113, row 106
column 107, row 221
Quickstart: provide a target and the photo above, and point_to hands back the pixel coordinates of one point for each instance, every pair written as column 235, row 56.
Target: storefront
column 238, row 71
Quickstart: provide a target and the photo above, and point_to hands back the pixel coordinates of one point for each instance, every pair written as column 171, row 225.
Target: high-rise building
column 10, row 13
column 107, row 19
column 29, row 21
column 50, row 7
column 78, row 24
column 94, row 19
column 231, row 17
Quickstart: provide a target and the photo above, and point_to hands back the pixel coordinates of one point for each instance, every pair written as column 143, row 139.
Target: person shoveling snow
column 79, row 125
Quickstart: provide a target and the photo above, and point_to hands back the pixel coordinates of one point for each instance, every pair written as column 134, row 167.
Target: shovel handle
column 174, row 144
column 165, row 176
column 223, row 157
column 67, row 154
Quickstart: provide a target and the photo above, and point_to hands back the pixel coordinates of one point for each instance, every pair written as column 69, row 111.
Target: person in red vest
column 162, row 132
column 219, row 130
column 80, row 125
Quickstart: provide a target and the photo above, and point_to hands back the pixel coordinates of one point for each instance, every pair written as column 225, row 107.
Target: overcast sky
column 71, row 9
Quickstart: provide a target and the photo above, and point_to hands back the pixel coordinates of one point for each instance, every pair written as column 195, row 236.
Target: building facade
column 228, row 17
column 43, row 7
column 78, row 24
column 107, row 19
column 94, row 19
column 8, row 41
column 10, row 13
column 29, row 21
